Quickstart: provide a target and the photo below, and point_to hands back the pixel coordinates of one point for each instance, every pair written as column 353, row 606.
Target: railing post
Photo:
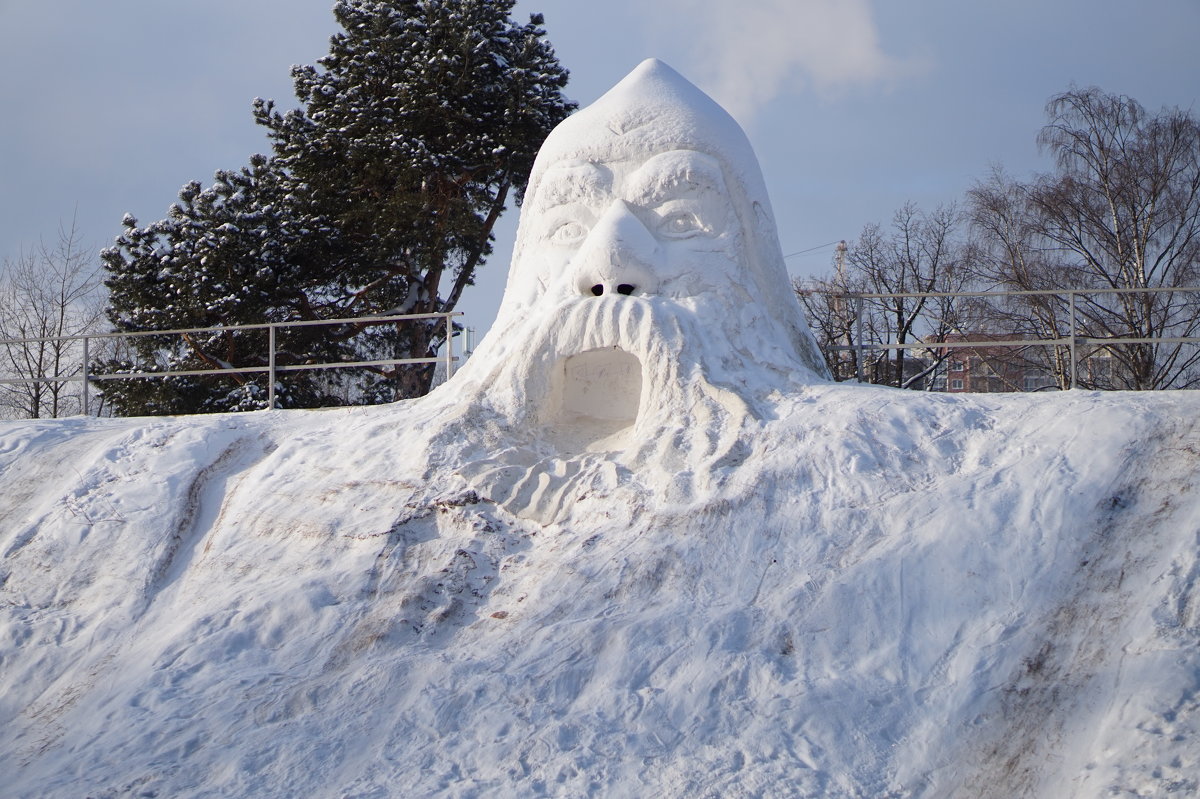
column 1074, row 378
column 858, row 339
column 271, row 367
column 83, row 401
column 449, row 345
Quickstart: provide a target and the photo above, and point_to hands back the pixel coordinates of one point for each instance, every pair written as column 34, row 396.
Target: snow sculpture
column 648, row 315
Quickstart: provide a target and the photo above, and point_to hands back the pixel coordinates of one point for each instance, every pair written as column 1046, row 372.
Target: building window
column 956, row 365
column 956, row 385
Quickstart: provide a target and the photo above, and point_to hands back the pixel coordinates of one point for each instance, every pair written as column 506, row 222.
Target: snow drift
column 637, row 547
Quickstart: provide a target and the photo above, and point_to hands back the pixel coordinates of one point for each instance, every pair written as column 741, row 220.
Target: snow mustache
column 608, row 397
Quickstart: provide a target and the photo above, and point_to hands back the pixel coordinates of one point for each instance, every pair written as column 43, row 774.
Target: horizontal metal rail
column 1028, row 342
column 1002, row 293
column 356, row 320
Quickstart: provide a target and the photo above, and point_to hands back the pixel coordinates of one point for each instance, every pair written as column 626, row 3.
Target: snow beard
column 602, row 398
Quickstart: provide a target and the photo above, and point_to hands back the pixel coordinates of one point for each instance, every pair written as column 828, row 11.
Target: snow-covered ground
column 636, row 547
column 889, row 594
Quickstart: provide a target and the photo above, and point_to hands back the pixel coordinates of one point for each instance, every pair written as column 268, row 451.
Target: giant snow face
column 648, row 316
column 658, row 229
column 662, row 227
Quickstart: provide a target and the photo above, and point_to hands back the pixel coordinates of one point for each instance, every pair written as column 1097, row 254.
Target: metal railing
column 1073, row 340
column 272, row 369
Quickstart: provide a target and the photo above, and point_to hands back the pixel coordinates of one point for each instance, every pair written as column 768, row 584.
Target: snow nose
column 617, row 257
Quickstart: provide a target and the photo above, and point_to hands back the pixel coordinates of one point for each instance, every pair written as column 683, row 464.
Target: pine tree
column 229, row 254
column 415, row 131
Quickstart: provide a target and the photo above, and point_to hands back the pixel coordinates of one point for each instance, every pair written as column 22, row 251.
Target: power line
column 811, row 249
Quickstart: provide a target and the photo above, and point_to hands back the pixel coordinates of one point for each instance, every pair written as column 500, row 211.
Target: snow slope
column 636, row 547
column 892, row 594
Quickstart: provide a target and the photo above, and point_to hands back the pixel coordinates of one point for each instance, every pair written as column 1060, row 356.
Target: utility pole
column 845, row 356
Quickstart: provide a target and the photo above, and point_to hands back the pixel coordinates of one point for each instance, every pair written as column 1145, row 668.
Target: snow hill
column 636, row 547
column 891, row 594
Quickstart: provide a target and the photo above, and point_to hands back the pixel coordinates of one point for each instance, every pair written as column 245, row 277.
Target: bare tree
column 921, row 253
column 1011, row 257
column 1121, row 211
column 46, row 295
column 832, row 314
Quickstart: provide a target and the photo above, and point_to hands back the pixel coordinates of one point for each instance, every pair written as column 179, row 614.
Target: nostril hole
column 624, row 288
column 598, row 289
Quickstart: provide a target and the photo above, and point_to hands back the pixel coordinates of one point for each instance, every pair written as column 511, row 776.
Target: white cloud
column 746, row 53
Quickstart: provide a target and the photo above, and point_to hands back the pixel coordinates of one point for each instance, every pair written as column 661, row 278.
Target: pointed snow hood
column 653, row 109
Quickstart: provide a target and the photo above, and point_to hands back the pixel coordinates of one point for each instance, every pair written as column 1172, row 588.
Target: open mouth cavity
column 594, row 400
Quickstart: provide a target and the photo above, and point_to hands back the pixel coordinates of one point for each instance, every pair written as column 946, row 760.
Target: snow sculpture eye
column 569, row 233
column 685, row 192
column 681, row 225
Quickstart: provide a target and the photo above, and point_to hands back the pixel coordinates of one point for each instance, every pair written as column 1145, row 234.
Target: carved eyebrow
column 572, row 182
column 674, row 174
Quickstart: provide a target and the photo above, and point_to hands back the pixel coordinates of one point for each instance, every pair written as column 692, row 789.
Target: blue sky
column 854, row 107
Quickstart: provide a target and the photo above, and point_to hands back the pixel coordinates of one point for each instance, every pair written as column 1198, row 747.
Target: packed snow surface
column 888, row 594
column 638, row 546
